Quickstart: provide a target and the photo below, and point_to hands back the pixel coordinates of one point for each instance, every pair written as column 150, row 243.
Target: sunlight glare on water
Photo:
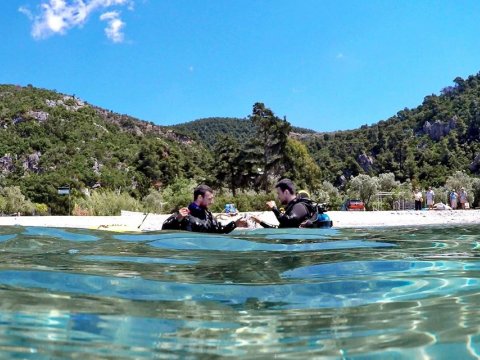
column 356, row 294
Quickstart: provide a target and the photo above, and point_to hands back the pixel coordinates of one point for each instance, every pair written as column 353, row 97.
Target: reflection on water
column 401, row 293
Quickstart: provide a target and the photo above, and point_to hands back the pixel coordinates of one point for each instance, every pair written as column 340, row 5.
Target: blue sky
column 325, row 65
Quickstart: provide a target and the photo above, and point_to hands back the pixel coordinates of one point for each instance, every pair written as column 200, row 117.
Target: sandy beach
column 133, row 221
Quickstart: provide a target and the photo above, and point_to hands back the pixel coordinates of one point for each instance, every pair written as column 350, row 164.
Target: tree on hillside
column 272, row 138
column 226, row 164
column 250, row 166
column 363, row 187
column 329, row 194
column 300, row 166
column 14, row 201
column 161, row 162
column 387, row 182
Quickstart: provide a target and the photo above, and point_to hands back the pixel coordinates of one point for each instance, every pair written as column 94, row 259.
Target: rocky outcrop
column 183, row 139
column 40, row 116
column 475, row 165
column 365, row 161
column 31, row 163
column 68, row 102
column 342, row 181
column 97, row 167
column 6, row 164
column 141, row 128
column 439, row 129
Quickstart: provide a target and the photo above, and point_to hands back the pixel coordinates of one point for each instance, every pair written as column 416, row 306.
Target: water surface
column 341, row 294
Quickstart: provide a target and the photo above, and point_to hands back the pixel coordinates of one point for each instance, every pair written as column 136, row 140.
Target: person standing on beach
column 430, row 196
column 198, row 218
column 453, row 199
column 462, row 197
column 418, row 199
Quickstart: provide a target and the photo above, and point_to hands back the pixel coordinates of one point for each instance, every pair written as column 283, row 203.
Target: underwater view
column 400, row 293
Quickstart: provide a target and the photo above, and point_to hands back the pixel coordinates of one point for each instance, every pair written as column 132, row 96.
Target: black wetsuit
column 297, row 211
column 199, row 220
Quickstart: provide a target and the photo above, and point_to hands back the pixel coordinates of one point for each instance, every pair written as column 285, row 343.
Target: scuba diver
column 198, row 218
column 300, row 211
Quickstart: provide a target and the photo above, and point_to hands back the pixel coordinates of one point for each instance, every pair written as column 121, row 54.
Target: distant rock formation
column 6, row 164
column 182, row 139
column 40, row 116
column 141, row 128
column 439, row 129
column 475, row 165
column 68, row 102
column 32, row 161
column 97, row 166
column 342, row 181
column 365, row 161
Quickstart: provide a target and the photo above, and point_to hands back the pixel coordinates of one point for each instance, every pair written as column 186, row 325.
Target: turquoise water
column 341, row 294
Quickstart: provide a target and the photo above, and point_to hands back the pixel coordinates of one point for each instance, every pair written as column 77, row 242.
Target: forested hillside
column 49, row 140
column 425, row 144
column 210, row 130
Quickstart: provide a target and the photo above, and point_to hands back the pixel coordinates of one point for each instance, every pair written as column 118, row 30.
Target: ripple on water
column 355, row 293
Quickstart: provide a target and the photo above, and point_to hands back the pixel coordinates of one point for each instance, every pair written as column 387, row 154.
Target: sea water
column 400, row 293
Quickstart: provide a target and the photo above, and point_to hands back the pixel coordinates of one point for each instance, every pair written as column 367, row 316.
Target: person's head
column 203, row 196
column 303, row 194
column 285, row 191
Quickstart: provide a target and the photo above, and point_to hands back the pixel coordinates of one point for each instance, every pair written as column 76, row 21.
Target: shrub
column 244, row 201
column 153, row 202
column 15, row 202
column 79, row 211
column 41, row 209
column 178, row 194
column 329, row 195
column 107, row 203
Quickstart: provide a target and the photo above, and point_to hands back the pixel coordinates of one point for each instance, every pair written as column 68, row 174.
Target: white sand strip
column 341, row 219
column 348, row 219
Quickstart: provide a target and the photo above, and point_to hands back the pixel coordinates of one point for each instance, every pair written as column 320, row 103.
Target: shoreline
column 135, row 221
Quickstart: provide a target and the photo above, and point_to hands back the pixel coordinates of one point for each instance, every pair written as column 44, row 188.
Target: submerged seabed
column 357, row 293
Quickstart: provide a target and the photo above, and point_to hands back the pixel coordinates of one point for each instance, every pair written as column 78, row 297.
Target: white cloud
column 115, row 26
column 25, row 11
column 59, row 16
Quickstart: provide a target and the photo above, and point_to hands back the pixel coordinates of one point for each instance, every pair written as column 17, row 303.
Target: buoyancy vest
column 316, row 218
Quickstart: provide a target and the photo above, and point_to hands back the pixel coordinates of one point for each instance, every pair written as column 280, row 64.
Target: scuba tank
column 318, row 218
column 323, row 221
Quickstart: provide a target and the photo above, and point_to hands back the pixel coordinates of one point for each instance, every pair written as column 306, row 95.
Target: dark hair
column 286, row 184
column 201, row 190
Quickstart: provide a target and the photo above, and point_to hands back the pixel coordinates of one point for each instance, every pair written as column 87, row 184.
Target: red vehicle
column 353, row 205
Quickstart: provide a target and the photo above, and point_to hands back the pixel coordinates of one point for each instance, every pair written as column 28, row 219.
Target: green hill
column 48, row 140
column 425, row 144
column 209, row 130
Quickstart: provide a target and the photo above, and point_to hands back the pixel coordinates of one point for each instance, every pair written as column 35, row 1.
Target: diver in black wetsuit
column 297, row 211
column 198, row 218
